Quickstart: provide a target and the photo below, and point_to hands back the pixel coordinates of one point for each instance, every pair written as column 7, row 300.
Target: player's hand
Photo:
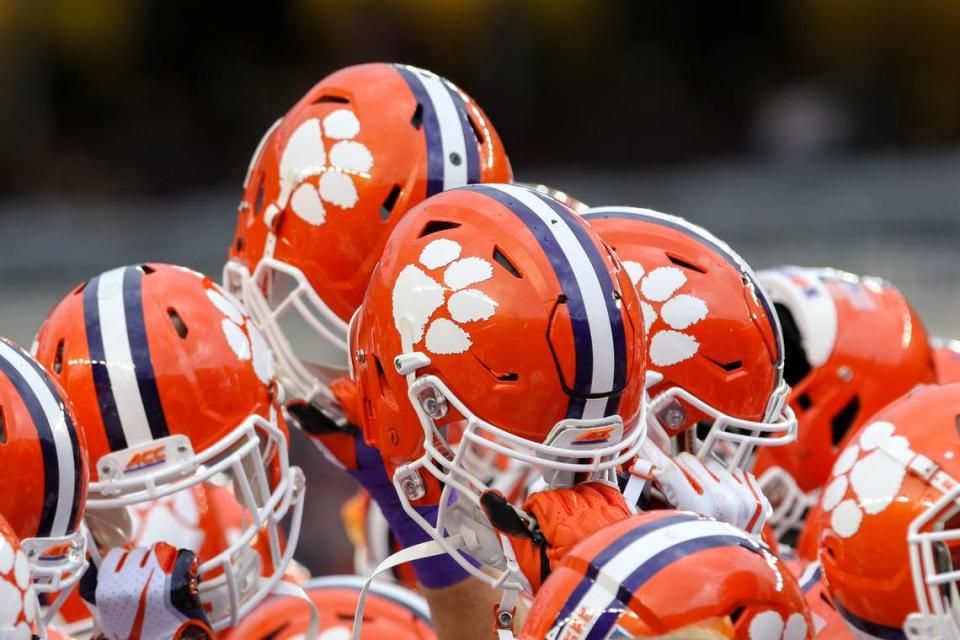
column 552, row 522
column 709, row 489
column 142, row 594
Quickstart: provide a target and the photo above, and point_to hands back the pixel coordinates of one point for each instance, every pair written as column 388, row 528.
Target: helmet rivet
column 455, row 159
column 394, row 437
column 360, row 355
column 845, row 373
column 505, row 619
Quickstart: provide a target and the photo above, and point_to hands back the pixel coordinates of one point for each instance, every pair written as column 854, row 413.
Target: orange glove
column 552, row 522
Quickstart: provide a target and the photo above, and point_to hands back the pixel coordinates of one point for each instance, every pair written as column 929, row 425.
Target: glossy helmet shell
column 882, row 491
column 711, row 329
column 391, row 612
column 853, row 344
column 41, row 448
column 476, row 280
column 332, row 178
column 662, row 571
column 153, row 350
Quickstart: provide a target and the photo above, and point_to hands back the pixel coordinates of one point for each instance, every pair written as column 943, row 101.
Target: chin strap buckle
column 504, row 614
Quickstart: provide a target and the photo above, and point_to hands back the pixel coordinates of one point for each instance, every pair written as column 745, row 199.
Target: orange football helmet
column 174, row 387
column 44, row 460
column 661, row 571
column 852, row 345
column 391, row 612
column 327, row 184
column 19, row 610
column 496, row 309
column 889, row 526
column 946, row 359
column 712, row 334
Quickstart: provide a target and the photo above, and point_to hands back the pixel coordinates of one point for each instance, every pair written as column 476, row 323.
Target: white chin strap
column 420, row 551
column 427, row 549
column 291, row 590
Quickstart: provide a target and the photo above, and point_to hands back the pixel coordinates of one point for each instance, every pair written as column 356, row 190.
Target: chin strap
column 640, row 473
column 426, row 549
column 291, row 590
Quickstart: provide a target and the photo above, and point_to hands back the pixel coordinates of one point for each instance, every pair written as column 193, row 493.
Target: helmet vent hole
column 476, row 130
column 386, row 392
column 417, row 119
column 435, row 226
column 508, row 377
column 729, row 367
column 258, row 203
column 3, row 428
column 58, row 358
column 804, row 401
column 147, row 269
column 389, row 203
column 334, row 99
column 238, row 244
column 736, row 614
column 795, row 363
column 844, row 419
column 680, row 262
column 178, row 324
column 500, row 258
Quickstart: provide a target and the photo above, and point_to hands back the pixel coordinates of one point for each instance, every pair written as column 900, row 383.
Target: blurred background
column 816, row 132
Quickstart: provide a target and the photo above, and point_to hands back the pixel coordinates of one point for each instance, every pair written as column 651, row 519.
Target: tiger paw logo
column 305, row 156
column 242, row 335
column 174, row 519
column 417, row 296
column 18, row 602
column 770, row 625
column 866, row 478
column 659, row 301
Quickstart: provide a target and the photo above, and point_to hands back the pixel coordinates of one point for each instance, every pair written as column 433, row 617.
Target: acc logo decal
column 305, row 156
column 671, row 345
column 144, row 459
column 873, row 479
column 594, row 436
column 417, row 296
